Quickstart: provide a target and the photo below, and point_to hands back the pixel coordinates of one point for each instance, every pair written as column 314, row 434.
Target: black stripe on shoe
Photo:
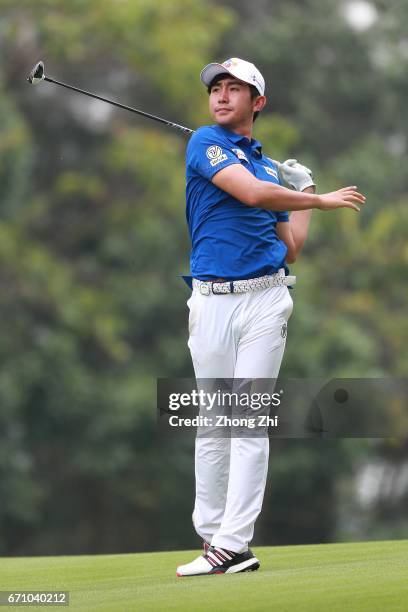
column 220, row 556
column 228, row 562
column 206, row 546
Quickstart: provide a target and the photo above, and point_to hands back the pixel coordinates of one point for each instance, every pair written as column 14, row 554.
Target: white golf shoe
column 219, row 561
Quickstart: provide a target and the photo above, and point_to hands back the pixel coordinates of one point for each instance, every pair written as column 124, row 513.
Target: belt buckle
column 204, row 289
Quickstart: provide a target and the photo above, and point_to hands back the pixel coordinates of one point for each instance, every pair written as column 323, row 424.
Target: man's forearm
column 273, row 197
column 244, row 187
column 299, row 224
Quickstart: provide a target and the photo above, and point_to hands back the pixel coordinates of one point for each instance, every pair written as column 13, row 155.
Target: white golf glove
column 294, row 175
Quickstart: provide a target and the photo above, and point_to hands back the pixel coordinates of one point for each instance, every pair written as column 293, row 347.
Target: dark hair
column 253, row 90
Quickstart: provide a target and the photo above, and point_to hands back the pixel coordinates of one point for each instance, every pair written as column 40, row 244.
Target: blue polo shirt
column 229, row 239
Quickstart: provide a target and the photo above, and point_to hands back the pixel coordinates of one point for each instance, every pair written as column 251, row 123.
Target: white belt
column 242, row 286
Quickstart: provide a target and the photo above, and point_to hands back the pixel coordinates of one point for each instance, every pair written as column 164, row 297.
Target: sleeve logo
column 213, row 152
column 215, row 155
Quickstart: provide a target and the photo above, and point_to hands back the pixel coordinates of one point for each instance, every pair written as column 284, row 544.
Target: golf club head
column 37, row 74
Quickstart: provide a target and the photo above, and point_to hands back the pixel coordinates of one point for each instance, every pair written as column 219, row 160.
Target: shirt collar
column 243, row 140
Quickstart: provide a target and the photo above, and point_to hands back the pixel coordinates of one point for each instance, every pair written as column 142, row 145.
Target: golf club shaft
column 129, row 108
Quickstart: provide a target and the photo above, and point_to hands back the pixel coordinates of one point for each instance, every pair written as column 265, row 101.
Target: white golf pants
column 234, row 336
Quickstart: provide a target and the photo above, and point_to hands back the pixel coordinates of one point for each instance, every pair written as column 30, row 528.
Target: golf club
column 37, row 75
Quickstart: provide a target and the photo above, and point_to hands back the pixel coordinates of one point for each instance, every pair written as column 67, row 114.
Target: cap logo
column 230, row 62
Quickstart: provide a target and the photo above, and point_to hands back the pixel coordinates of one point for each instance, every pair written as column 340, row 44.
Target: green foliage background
column 93, row 242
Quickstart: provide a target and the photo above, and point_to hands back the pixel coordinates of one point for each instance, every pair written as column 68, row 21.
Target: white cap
column 240, row 69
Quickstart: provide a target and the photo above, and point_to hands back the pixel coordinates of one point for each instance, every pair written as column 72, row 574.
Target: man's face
column 230, row 102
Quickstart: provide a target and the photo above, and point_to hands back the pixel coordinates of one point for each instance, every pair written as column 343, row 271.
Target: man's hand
column 348, row 197
column 294, row 175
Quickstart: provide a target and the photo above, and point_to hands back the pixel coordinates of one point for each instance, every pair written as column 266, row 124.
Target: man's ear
column 259, row 104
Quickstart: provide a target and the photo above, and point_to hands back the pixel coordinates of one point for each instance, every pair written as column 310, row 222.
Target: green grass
column 365, row 576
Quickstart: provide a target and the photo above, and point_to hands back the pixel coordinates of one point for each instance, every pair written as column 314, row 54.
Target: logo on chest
column 271, row 172
column 240, row 154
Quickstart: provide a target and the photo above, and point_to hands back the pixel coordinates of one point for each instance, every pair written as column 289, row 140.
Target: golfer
column 242, row 239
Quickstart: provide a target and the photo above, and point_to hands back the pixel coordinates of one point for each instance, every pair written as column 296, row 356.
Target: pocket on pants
column 193, row 305
column 289, row 306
